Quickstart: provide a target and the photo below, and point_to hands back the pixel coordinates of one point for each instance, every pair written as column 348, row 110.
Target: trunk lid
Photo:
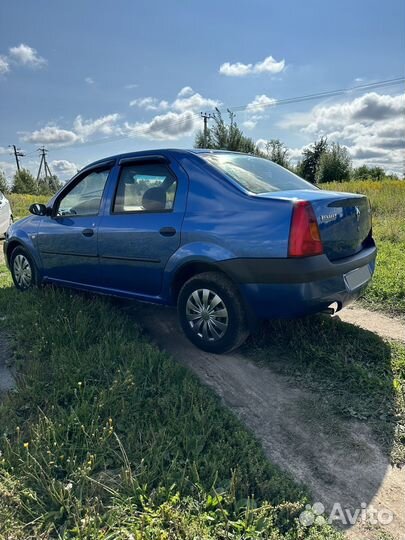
column 344, row 219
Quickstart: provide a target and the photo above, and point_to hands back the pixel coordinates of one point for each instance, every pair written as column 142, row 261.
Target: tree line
column 23, row 182
column 322, row 161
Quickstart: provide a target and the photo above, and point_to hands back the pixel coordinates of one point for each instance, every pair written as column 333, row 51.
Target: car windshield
column 257, row 175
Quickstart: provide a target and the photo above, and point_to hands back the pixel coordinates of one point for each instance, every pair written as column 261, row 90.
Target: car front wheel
column 23, row 270
column 211, row 313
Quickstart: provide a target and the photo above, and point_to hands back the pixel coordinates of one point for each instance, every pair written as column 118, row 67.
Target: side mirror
column 38, row 209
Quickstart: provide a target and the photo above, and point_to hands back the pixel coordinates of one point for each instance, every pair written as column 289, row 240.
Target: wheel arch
column 190, row 269
column 15, row 242
column 11, row 247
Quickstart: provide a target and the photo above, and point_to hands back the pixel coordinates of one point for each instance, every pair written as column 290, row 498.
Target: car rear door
column 67, row 239
column 141, row 225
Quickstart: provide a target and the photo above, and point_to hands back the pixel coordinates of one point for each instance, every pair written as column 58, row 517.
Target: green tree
column 4, row 187
column 49, row 185
column 368, row 173
column 277, row 152
column 222, row 136
column 334, row 164
column 24, row 182
column 311, row 159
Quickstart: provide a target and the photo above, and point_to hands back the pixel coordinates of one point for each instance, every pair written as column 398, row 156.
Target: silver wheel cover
column 22, row 271
column 207, row 315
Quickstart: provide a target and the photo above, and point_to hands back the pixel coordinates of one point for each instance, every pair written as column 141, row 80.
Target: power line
column 328, row 93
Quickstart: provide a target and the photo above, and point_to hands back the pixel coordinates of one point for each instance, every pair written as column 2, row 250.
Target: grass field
column 21, row 203
column 106, row 437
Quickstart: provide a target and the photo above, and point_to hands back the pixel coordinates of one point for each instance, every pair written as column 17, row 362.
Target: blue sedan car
column 227, row 237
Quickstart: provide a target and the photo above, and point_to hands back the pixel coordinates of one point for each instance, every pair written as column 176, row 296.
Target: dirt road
column 380, row 324
column 338, row 460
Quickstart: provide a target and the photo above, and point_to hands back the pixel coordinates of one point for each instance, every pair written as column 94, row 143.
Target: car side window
column 149, row 187
column 85, row 197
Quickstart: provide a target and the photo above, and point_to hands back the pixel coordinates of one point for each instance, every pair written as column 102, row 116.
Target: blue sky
column 75, row 73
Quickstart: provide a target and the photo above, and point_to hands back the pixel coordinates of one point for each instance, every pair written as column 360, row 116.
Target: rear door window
column 148, row 187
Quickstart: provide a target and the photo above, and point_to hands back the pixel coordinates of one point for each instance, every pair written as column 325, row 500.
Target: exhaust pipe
column 332, row 309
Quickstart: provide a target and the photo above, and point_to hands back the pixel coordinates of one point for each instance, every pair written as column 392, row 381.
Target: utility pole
column 43, row 163
column 17, row 154
column 206, row 117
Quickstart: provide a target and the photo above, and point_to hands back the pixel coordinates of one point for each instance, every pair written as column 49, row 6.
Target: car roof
column 157, row 151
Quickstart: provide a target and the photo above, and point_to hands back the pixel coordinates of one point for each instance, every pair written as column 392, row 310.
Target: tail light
column 305, row 239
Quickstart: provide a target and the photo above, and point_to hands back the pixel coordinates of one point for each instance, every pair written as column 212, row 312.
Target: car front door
column 141, row 227
column 67, row 239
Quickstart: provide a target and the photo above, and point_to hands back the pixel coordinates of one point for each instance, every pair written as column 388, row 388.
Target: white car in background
column 6, row 216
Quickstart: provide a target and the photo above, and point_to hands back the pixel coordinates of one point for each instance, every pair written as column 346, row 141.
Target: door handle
column 87, row 232
column 167, row 231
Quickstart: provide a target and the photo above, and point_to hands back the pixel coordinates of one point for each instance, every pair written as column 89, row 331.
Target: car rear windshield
column 257, row 175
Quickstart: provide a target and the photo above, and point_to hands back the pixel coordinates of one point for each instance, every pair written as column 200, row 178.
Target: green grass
column 353, row 372
column 21, row 203
column 387, row 293
column 106, row 437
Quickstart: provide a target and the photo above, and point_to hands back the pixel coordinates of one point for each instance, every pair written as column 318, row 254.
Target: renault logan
column 227, row 237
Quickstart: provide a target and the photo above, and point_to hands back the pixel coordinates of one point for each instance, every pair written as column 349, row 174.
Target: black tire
column 21, row 258
column 221, row 333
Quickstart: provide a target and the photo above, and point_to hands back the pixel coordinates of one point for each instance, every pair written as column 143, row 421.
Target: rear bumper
column 284, row 288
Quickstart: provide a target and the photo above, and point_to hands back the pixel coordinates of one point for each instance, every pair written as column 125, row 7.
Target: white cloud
column 238, row 69
column 169, row 126
column 149, row 103
column 235, row 70
column 106, row 125
column 63, row 168
column 193, row 102
column 26, row 56
column 269, row 65
column 187, row 100
column 182, row 119
column 4, row 65
column 50, row 135
column 89, row 80
column 260, row 104
column 4, row 150
column 186, row 91
column 81, row 131
column 255, row 109
column 372, row 126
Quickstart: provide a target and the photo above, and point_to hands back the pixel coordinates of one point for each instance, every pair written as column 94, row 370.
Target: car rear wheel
column 23, row 269
column 211, row 313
